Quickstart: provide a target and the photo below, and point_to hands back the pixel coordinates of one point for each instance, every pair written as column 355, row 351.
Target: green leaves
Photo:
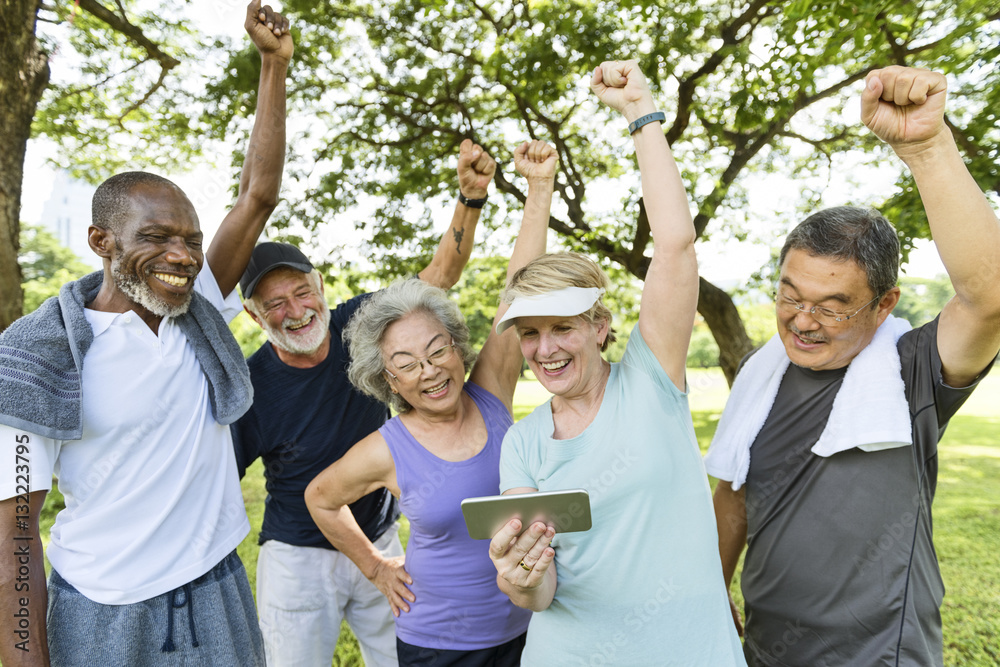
column 381, row 94
column 123, row 94
column 408, row 81
column 45, row 265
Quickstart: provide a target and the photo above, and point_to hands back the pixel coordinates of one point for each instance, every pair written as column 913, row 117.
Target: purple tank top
column 458, row 605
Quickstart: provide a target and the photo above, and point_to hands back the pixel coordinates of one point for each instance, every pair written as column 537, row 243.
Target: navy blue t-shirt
column 301, row 421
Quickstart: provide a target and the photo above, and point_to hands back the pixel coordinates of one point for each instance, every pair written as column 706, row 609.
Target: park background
column 762, row 114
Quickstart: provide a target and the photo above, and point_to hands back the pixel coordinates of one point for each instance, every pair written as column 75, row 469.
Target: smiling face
column 432, row 387
column 564, row 353
column 157, row 252
column 840, row 286
column 291, row 309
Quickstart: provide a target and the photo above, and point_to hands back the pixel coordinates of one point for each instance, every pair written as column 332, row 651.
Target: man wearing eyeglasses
column 827, row 449
column 304, row 417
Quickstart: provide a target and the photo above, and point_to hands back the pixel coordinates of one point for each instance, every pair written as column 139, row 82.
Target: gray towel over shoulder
column 42, row 355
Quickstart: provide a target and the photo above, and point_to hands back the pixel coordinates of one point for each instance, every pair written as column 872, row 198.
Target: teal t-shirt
column 644, row 585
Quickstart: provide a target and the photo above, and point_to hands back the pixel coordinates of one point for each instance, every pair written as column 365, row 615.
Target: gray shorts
column 209, row 621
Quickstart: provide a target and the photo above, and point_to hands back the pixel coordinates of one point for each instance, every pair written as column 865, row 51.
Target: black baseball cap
column 268, row 256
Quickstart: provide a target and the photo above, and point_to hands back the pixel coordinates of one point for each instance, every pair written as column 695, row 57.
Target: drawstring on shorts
column 168, row 645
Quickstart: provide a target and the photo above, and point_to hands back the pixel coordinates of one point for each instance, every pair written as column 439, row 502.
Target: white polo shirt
column 152, row 494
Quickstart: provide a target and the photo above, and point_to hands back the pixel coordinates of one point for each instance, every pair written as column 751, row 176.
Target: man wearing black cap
column 305, row 416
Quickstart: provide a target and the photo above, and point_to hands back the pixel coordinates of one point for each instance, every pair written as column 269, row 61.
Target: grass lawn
column 966, row 513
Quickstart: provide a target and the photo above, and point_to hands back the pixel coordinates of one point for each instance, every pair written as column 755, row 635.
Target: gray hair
column 112, row 203
column 861, row 235
column 367, row 327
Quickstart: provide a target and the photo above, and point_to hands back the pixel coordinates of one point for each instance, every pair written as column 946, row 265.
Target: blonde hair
column 556, row 270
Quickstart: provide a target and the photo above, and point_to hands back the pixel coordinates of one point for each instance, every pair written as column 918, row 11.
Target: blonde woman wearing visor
column 410, row 348
column 644, row 585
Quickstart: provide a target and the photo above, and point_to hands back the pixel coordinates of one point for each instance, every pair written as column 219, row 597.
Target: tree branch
column 145, row 98
column 134, row 33
column 76, row 91
column 689, row 84
column 756, row 142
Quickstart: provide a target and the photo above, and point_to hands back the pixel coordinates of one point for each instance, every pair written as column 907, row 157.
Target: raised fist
column 475, row 170
column 536, row 161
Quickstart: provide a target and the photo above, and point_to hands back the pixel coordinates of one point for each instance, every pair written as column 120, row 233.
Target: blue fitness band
column 644, row 120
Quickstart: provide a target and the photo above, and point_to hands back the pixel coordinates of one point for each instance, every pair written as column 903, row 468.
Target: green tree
column 478, row 295
column 921, row 299
column 758, row 318
column 45, row 265
column 117, row 95
column 749, row 88
column 703, row 352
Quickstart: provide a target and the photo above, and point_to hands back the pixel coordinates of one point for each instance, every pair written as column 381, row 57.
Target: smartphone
column 567, row 511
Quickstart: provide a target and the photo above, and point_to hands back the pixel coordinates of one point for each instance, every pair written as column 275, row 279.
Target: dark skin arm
column 23, row 598
column 230, row 251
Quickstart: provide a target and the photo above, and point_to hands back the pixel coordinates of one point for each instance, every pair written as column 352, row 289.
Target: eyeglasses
column 414, row 368
column 825, row 316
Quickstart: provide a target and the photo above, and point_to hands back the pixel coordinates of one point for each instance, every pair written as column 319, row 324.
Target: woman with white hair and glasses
column 644, row 585
column 409, row 347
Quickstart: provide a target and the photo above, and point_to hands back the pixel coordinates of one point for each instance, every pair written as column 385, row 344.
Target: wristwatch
column 471, row 203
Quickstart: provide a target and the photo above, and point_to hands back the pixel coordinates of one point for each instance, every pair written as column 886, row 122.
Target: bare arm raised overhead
column 500, row 360
column 475, row 171
column 670, row 292
column 905, row 108
column 265, row 156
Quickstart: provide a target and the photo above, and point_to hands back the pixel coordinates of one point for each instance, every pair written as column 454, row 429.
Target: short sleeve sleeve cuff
column 513, row 471
column 205, row 284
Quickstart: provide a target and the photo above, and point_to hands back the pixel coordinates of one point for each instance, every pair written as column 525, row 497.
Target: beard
column 307, row 343
column 138, row 290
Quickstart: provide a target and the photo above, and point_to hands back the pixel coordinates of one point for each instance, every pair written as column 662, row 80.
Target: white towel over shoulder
column 869, row 412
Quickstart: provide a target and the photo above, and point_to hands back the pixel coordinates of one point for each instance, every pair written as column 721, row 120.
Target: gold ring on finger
column 524, row 566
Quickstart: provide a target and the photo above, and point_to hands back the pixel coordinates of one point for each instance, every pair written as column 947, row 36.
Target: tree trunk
column 726, row 326
column 24, row 74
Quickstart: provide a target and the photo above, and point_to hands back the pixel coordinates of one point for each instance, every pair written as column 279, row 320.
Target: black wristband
column 471, row 203
column 644, row 120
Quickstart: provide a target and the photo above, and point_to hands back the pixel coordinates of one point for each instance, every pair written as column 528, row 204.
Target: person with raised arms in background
column 306, row 416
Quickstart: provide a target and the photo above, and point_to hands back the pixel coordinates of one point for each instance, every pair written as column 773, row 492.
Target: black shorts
column 504, row 655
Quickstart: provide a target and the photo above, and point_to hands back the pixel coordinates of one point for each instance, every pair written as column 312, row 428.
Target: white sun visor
column 563, row 302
